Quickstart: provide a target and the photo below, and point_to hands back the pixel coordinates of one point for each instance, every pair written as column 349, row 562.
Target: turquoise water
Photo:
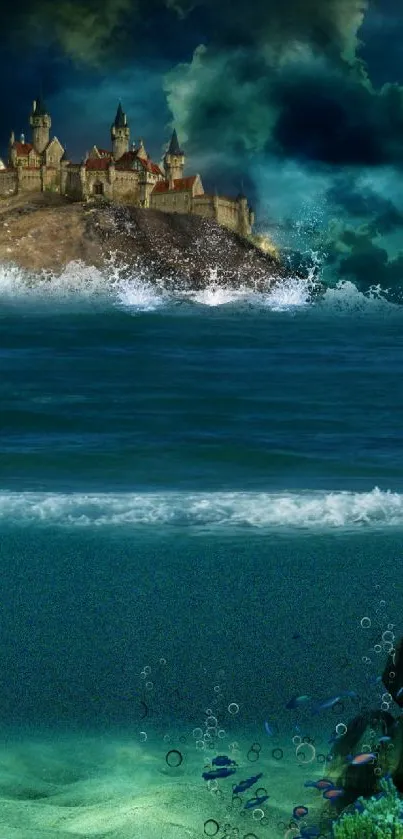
column 210, row 488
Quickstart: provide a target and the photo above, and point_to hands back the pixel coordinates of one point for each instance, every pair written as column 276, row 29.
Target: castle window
column 98, row 189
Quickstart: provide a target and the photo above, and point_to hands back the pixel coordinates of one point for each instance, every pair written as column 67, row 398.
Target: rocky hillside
column 47, row 231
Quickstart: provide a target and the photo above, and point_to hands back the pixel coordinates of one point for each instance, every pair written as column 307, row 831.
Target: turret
column 120, row 134
column 174, row 160
column 142, row 152
column 40, row 123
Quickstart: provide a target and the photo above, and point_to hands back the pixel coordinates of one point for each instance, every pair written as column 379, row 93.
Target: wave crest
column 222, row 510
column 115, row 287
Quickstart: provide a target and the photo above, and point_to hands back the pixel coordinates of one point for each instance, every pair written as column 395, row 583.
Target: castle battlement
column 124, row 174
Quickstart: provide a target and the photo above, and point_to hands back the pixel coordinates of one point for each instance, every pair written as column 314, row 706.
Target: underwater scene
column 201, row 512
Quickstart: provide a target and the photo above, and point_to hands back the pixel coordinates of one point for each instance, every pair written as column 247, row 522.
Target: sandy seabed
column 75, row 785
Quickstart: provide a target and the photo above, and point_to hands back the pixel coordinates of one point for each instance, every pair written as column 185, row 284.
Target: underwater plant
column 379, row 817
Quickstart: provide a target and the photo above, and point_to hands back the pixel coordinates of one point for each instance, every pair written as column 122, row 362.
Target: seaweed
column 380, row 817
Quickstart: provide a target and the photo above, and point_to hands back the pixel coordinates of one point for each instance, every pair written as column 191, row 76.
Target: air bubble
column 200, row 745
column 147, row 670
column 222, row 733
column 163, row 661
column 233, row 708
column 297, row 740
column 365, row 622
column 388, row 637
column 149, row 685
column 258, row 814
column 341, row 729
column 143, row 736
column 305, row 753
column 197, row 733
column 377, row 648
column 211, row 722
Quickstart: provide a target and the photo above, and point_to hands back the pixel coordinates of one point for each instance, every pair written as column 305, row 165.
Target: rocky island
column 46, row 231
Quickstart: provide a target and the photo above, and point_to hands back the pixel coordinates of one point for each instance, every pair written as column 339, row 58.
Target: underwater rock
column 47, row 231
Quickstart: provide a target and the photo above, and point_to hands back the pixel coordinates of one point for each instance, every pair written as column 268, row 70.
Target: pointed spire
column 120, row 118
column 174, row 147
column 142, row 152
column 39, row 108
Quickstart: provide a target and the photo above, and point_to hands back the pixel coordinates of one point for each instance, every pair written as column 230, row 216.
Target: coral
column 380, row 816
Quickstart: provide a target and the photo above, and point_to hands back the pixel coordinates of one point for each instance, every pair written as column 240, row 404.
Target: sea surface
column 201, row 499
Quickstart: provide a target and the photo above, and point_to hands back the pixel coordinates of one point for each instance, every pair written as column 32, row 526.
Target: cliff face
column 46, row 231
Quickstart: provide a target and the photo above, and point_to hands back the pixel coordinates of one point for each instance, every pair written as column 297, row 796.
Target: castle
column 125, row 174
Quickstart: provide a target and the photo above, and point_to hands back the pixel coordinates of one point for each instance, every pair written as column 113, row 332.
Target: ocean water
column 201, row 500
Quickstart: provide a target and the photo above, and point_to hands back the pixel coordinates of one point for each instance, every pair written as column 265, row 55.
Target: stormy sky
column 299, row 103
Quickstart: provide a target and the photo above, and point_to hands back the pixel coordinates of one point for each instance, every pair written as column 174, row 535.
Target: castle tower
column 40, row 123
column 174, row 160
column 120, row 134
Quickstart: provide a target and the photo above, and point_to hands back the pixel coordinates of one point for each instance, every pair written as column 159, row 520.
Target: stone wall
column 97, row 184
column 175, row 201
column 126, row 186
column 228, row 213
column 203, row 205
column 8, row 183
column 29, row 180
column 51, row 178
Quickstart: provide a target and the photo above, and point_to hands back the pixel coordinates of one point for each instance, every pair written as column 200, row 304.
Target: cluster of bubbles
column 207, row 737
column 147, row 686
column 386, row 644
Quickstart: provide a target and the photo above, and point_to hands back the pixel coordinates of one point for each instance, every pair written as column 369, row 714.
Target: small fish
column 399, row 693
column 385, row 739
column 269, row 729
column 300, row 811
column 223, row 772
column 333, row 794
column 332, row 701
column 223, row 760
column 244, row 785
column 296, row 701
column 374, row 680
column 361, row 759
column 326, row 704
column 323, row 784
column 255, row 802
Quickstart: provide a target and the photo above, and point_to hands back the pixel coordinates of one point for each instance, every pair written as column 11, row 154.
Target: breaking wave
column 216, row 510
column 82, row 286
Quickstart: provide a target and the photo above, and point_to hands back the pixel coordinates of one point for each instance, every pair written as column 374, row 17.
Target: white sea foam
column 217, row 510
column 80, row 284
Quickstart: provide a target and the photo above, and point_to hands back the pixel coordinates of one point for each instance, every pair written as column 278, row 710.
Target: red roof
column 154, row 168
column 104, row 152
column 128, row 157
column 23, row 149
column 97, row 163
column 180, row 184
